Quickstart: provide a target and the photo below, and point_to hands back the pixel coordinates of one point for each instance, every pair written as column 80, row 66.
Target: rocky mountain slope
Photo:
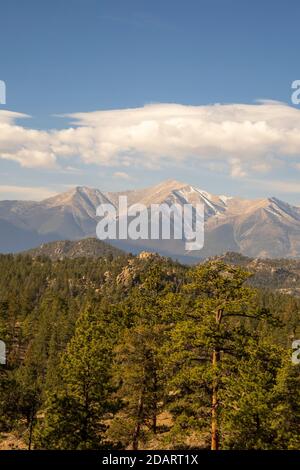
column 266, row 228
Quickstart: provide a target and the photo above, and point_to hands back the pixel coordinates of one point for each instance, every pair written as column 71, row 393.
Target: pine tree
column 249, row 397
column 75, row 415
column 140, row 385
column 210, row 329
column 138, row 370
column 286, row 416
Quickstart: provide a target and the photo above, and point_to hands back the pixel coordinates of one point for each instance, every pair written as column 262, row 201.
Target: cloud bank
column 241, row 139
column 25, row 192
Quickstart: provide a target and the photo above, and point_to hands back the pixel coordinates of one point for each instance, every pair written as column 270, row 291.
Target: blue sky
column 79, row 56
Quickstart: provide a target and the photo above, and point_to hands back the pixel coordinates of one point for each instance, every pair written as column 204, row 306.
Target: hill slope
column 87, row 248
column 281, row 275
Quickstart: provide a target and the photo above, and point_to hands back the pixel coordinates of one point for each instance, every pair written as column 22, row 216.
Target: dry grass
column 9, row 441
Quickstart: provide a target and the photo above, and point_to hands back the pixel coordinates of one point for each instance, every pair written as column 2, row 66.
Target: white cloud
column 29, row 147
column 122, row 175
column 247, row 139
column 275, row 186
column 25, row 192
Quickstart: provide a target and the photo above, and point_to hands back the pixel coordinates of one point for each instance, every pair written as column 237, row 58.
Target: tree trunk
column 214, row 405
column 155, row 392
column 31, row 423
column 136, row 434
column 214, row 398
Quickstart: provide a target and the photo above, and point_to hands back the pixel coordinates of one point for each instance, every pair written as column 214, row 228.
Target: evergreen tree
column 249, row 397
column 75, row 415
column 138, row 374
column 286, row 420
column 138, row 370
column 210, row 329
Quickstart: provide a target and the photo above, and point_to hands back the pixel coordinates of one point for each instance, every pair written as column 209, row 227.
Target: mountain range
column 265, row 228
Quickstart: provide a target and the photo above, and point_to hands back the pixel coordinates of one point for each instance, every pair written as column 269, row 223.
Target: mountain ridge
column 86, row 248
column 266, row 227
column 280, row 275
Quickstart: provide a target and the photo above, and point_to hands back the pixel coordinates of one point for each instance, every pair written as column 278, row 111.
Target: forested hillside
column 87, row 248
column 280, row 275
column 141, row 352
